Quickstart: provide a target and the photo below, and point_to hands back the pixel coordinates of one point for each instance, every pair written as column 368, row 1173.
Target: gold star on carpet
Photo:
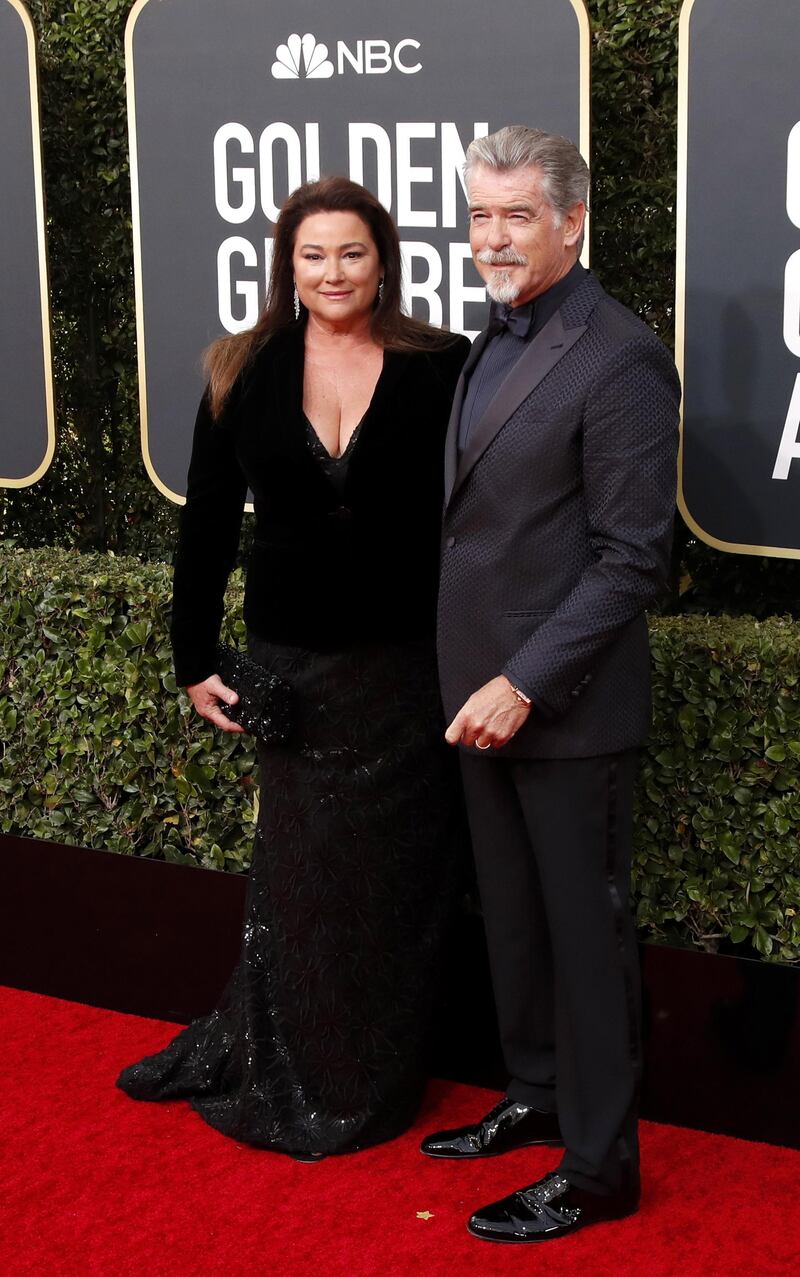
column 424, row 1214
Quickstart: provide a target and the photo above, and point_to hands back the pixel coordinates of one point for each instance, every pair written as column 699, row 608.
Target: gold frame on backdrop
column 585, row 106
column 137, row 256
column 584, row 73
column 44, row 291
column 731, row 547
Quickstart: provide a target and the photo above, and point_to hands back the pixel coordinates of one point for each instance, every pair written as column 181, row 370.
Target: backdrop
column 26, row 411
column 738, row 280
column 232, row 103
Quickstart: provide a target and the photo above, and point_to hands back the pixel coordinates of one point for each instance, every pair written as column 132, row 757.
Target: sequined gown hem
column 316, row 1045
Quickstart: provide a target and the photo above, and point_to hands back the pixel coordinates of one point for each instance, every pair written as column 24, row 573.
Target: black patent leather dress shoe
column 550, row 1208
column 508, row 1126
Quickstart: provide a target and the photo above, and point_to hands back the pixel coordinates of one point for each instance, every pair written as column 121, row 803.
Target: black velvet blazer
column 324, row 571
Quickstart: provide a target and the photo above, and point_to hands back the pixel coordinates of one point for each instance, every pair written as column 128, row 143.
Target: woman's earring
column 296, row 303
column 380, row 292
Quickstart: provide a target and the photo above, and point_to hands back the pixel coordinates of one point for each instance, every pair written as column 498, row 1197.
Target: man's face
column 517, row 243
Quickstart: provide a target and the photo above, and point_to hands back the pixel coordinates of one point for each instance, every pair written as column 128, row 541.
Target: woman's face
column 336, row 266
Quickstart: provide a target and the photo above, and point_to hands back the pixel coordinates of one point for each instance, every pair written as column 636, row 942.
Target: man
column 559, row 506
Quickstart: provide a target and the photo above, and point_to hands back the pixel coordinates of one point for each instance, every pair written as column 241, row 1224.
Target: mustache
column 505, row 257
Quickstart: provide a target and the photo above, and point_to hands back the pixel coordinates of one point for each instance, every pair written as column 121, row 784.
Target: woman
column 332, row 410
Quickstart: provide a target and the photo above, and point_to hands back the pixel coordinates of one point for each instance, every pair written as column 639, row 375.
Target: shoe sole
column 470, row 1157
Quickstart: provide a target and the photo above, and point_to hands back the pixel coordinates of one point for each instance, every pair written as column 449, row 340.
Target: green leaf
column 729, row 847
column 687, row 717
column 763, row 941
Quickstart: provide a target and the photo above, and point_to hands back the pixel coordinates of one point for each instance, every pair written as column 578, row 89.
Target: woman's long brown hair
column 226, row 358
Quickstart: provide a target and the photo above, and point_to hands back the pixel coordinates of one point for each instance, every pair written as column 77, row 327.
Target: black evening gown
column 316, row 1045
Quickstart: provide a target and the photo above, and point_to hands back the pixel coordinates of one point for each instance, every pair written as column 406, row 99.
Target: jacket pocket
column 532, row 613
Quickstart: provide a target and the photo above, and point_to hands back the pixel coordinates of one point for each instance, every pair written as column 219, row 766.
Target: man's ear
column 573, row 224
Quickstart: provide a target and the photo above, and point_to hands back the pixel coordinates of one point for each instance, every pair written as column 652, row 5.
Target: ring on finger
column 488, row 745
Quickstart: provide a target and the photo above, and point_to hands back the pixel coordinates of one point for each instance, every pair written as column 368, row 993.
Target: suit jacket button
column 450, row 542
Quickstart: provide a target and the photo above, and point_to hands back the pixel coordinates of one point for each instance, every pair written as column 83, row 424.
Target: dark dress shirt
column 504, row 348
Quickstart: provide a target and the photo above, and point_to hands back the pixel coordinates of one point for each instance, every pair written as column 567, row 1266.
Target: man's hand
column 206, row 697
column 491, row 716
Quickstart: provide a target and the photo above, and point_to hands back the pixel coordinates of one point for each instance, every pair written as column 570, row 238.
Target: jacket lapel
column 451, row 439
column 541, row 356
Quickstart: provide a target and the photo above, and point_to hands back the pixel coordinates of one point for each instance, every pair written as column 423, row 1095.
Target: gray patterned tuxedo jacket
column 557, row 529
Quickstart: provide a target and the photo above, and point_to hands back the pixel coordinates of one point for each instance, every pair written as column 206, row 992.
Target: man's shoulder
column 616, row 323
column 617, row 344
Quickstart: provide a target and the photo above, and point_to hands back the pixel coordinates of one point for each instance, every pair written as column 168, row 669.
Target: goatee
column 500, row 286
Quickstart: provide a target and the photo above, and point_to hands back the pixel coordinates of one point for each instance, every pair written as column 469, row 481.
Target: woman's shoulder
column 282, row 349
column 447, row 360
column 457, row 347
column 278, row 345
column 436, row 345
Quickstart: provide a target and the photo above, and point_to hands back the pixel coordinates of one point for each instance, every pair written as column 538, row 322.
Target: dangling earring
column 296, row 303
column 380, row 292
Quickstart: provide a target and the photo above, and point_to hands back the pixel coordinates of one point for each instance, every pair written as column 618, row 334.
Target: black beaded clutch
column 264, row 707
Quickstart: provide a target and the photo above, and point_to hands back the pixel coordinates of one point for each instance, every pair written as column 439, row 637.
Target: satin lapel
column 544, row 352
column 451, row 439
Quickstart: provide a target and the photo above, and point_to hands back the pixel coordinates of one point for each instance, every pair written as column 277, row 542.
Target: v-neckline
column 358, row 428
column 316, row 443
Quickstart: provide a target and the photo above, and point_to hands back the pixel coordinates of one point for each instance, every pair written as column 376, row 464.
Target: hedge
column 101, row 750
column 717, row 853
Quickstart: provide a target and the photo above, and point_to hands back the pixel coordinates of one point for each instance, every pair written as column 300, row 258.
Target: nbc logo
column 316, row 65
column 302, row 58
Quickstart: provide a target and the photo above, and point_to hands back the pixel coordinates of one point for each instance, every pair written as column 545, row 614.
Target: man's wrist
column 521, row 696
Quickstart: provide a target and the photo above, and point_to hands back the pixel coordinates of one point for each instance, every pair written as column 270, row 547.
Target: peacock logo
column 302, row 58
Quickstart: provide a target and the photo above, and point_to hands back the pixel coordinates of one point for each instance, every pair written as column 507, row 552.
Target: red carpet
column 94, row 1183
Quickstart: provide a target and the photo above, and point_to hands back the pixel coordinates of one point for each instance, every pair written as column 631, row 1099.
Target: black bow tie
column 517, row 319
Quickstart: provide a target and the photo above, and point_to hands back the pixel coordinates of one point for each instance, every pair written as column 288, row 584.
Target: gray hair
column 565, row 174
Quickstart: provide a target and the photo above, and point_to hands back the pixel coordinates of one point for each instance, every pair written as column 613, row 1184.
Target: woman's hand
column 206, row 697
